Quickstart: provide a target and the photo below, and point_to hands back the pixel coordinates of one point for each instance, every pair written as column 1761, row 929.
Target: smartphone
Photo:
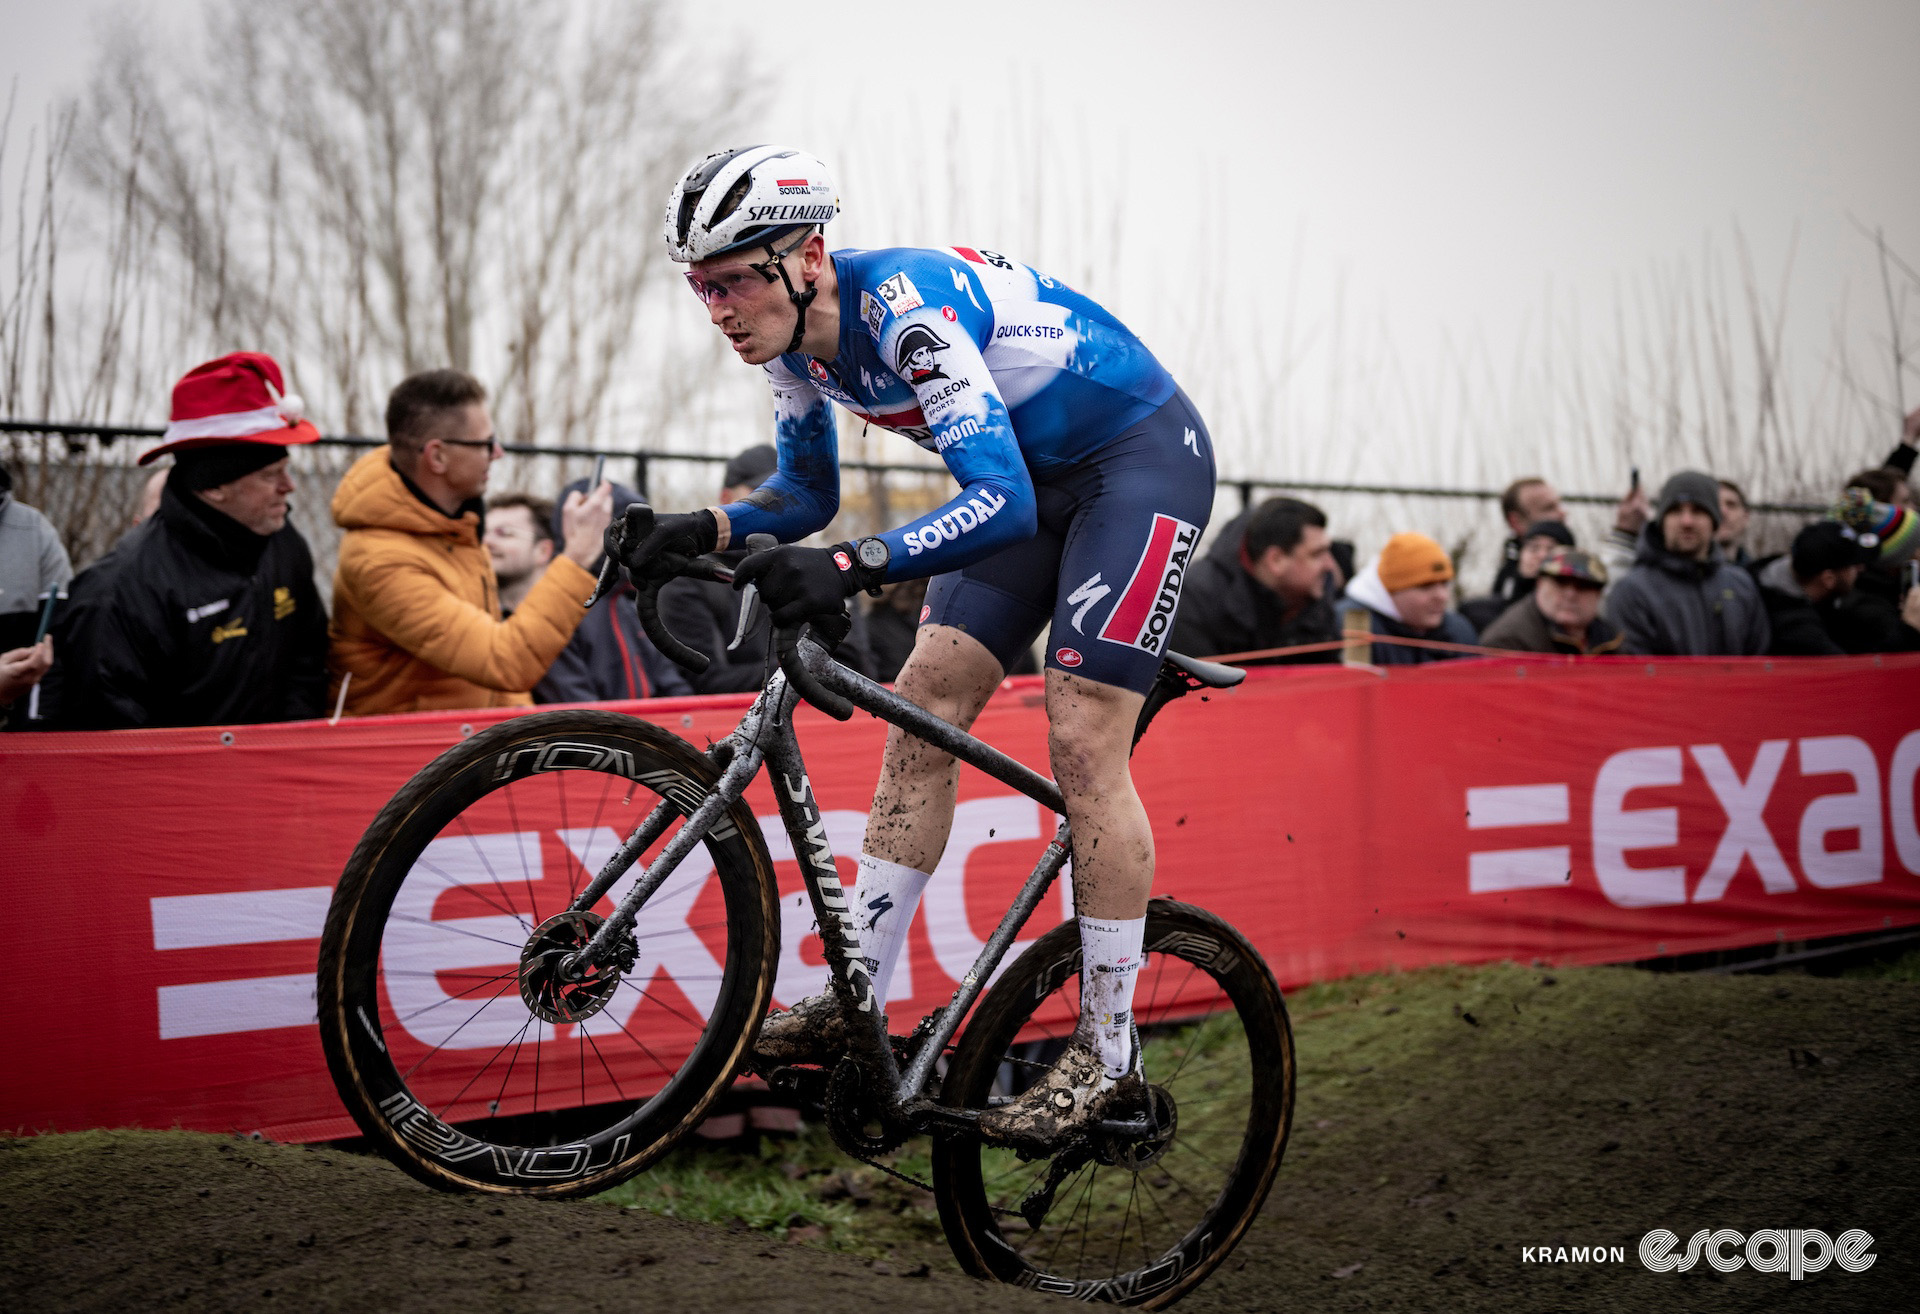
column 1633, row 480
column 46, row 614
column 599, row 472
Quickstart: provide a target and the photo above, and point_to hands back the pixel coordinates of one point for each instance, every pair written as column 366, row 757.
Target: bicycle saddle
column 1211, row 674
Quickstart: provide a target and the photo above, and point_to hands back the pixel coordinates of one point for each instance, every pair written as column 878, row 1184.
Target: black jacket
column 1224, row 609
column 1509, row 586
column 191, row 619
column 609, row 657
column 1799, row 626
column 890, row 639
column 702, row 614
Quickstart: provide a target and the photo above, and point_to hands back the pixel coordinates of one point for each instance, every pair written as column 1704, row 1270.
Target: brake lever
column 630, row 527
column 608, row 582
column 750, row 593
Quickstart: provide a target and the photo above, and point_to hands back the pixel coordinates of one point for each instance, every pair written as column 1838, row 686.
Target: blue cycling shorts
column 1116, row 536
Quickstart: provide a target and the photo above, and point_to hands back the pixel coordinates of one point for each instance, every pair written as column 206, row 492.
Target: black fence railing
column 108, row 434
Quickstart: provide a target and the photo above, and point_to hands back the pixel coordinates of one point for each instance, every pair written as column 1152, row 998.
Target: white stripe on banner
column 201, row 921
column 1517, row 805
column 1518, row 869
column 254, row 1003
column 239, row 917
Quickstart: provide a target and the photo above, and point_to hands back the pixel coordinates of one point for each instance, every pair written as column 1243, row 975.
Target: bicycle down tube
column 765, row 736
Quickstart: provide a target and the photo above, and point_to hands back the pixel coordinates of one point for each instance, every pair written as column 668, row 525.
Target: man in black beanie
column 207, row 613
column 1682, row 598
column 1804, row 589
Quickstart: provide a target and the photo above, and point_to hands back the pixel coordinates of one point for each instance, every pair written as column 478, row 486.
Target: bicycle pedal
column 809, row 1084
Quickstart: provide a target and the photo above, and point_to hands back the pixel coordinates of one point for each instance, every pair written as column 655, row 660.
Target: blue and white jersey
column 1009, row 375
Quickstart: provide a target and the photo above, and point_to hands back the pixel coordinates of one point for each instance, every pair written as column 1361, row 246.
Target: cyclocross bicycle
column 523, row 989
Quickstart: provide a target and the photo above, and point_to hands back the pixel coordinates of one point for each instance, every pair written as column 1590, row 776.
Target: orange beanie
column 1410, row 560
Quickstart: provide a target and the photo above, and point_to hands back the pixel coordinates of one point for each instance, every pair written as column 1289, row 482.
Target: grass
column 793, row 1186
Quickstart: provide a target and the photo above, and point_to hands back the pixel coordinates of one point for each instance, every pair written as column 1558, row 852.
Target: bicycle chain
column 838, row 1108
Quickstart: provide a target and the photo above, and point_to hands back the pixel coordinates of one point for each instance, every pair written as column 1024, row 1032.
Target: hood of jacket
column 1369, row 591
column 1776, row 574
column 1654, row 552
column 373, row 495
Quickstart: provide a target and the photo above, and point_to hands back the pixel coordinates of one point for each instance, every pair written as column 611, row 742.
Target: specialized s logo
column 1143, row 617
column 914, row 355
column 1084, row 597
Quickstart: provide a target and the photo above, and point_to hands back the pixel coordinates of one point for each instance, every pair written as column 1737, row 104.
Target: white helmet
column 749, row 196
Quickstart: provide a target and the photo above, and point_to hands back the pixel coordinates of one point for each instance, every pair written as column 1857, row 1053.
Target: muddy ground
column 1446, row 1120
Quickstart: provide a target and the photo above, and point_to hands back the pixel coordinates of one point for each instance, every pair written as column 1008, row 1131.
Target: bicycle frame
column 765, row 736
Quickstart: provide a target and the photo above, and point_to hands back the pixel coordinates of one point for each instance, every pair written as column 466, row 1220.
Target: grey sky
column 1453, row 156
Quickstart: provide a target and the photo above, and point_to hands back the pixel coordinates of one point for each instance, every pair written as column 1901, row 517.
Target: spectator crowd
column 1673, row 577
column 206, row 611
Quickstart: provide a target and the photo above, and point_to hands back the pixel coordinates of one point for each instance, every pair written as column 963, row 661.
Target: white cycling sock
column 883, row 901
column 1110, row 965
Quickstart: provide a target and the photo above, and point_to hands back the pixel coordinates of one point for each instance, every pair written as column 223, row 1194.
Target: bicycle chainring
column 852, row 1115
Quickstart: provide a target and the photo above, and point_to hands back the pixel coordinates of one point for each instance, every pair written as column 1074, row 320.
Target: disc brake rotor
column 555, row 992
column 1136, row 1153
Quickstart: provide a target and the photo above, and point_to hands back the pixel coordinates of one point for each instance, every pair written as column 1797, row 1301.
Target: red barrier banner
column 166, row 889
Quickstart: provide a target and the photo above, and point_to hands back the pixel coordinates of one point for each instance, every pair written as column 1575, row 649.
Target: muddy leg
column 1089, row 736
column 952, row 675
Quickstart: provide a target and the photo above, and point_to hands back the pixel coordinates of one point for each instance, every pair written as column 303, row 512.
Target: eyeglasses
column 730, row 282
column 470, row 442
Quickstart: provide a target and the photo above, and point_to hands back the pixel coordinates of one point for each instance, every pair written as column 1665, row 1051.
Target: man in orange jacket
column 416, row 609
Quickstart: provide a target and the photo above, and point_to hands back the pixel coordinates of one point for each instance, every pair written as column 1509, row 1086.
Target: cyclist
column 1086, row 479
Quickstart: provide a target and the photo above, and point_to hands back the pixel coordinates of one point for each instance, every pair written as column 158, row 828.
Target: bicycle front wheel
column 462, row 1048
column 1131, row 1221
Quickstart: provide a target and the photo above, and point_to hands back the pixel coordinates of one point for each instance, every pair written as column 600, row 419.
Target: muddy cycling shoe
column 812, row 1031
column 1073, row 1095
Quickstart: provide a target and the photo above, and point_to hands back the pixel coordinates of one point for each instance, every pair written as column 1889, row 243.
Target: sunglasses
column 731, row 282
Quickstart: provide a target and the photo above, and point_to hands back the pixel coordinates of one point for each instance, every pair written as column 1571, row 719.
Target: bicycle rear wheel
column 1137, row 1221
column 450, row 1038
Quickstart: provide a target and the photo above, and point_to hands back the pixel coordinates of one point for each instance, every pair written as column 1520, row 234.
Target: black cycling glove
column 800, row 583
column 675, row 541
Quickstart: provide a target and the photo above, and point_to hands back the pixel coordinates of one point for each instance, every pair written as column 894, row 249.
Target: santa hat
column 239, row 398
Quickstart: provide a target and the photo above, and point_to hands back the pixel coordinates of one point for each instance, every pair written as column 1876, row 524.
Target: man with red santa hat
column 206, row 614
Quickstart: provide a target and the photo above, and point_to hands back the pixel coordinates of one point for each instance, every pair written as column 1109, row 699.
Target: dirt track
column 1446, row 1120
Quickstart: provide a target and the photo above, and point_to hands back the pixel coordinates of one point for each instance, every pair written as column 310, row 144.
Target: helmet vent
column 735, row 194
column 684, row 220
